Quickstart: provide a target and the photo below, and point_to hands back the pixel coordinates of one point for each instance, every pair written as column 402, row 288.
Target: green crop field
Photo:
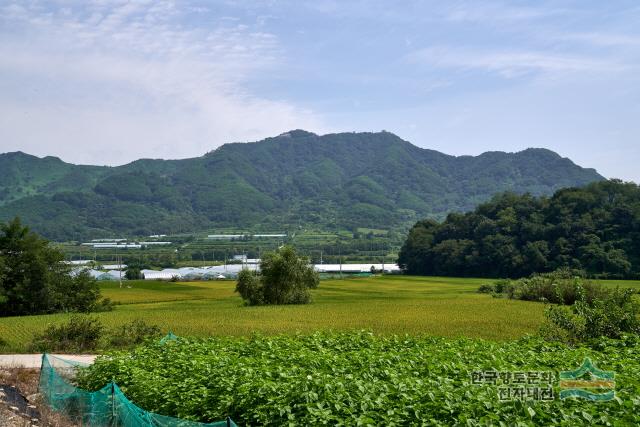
column 448, row 307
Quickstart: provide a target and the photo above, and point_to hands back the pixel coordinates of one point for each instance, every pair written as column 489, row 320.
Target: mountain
column 296, row 179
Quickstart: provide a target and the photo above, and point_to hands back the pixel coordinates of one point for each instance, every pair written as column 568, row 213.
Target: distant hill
column 295, row 179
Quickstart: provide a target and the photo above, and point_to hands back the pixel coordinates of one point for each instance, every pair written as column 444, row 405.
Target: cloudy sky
column 109, row 81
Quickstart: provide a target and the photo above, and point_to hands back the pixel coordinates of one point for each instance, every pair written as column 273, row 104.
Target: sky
column 111, row 81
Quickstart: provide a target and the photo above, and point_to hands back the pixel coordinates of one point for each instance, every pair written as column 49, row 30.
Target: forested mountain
column 295, row 179
column 595, row 228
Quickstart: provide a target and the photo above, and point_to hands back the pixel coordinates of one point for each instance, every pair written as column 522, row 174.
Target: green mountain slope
column 295, row 179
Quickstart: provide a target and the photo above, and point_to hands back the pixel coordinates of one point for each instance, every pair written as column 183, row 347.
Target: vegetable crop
column 358, row 378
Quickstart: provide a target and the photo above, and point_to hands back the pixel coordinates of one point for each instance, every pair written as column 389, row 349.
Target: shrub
column 562, row 286
column 501, row 286
column 610, row 315
column 486, row 288
column 133, row 333
column 80, row 334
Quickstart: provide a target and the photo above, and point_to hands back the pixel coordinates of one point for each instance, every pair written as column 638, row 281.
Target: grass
column 448, row 307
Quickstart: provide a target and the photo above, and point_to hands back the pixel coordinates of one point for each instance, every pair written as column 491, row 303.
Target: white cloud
column 511, row 63
column 603, row 39
column 489, row 12
column 109, row 82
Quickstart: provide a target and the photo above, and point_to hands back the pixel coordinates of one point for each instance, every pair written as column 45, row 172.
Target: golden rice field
column 449, row 307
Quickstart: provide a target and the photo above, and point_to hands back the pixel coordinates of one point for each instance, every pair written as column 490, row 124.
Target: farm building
column 356, row 268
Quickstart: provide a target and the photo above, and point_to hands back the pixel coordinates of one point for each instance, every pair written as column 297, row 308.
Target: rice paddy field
column 446, row 307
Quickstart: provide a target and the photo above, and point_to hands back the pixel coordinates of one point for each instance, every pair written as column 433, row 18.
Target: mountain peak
column 296, row 133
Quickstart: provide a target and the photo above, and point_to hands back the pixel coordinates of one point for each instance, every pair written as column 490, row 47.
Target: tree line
column 595, row 229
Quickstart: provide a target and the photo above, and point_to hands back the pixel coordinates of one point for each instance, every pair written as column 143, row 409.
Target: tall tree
column 34, row 279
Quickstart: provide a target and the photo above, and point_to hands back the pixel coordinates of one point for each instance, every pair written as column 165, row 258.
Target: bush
column 610, row 315
column 486, row 288
column 133, row 333
column 80, row 334
column 502, row 285
column 562, row 286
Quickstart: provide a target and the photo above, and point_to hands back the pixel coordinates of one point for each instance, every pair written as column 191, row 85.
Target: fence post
column 113, row 404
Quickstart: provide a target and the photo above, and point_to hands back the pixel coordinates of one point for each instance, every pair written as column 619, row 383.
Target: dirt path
column 35, row 360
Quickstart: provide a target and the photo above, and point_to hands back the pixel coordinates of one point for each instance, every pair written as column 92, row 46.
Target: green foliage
column 81, row 333
column 34, row 280
column 133, row 333
column 595, row 228
column 133, row 273
column 611, row 315
column 486, row 288
column 346, row 180
column 284, row 278
column 562, row 286
column 357, row 378
column 249, row 286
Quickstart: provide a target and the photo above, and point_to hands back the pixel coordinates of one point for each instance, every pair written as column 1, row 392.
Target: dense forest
column 297, row 179
column 595, row 228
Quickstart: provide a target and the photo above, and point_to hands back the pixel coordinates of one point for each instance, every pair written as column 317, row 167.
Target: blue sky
column 106, row 82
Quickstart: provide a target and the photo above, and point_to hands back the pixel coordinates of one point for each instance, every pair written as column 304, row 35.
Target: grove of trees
column 35, row 280
column 595, row 228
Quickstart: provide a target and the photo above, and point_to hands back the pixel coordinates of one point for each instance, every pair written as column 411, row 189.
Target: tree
column 133, row 273
column 285, row 278
column 3, row 297
column 34, row 279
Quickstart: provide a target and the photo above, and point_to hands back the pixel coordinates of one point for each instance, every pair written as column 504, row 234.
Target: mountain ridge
column 297, row 178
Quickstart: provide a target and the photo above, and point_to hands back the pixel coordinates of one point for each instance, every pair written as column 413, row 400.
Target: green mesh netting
column 107, row 407
column 169, row 337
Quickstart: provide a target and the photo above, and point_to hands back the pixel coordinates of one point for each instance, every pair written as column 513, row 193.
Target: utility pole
column 118, row 260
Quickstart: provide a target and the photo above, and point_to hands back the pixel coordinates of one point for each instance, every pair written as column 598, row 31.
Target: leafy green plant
column 357, row 378
column 133, row 333
column 81, row 333
column 611, row 315
column 563, row 286
column 486, row 288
